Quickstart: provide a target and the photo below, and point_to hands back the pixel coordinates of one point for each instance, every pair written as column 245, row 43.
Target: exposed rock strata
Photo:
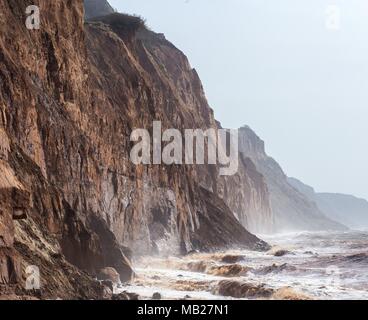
column 43, row 80
column 162, row 207
column 70, row 94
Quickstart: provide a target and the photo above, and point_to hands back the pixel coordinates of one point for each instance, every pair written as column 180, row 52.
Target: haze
column 276, row 66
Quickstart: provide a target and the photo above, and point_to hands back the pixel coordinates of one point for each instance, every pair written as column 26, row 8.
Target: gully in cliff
column 219, row 143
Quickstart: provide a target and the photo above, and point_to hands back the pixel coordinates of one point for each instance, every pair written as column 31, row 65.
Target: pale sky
column 276, row 66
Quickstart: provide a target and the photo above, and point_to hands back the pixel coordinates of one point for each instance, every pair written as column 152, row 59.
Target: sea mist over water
column 315, row 265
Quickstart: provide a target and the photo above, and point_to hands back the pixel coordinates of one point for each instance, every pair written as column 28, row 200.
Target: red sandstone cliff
column 71, row 200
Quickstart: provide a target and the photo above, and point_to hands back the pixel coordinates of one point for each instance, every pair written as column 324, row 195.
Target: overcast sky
column 293, row 70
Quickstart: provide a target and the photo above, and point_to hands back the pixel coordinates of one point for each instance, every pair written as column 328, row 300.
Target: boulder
column 288, row 293
column 120, row 297
column 156, row 296
column 275, row 269
column 125, row 296
column 109, row 274
column 238, row 289
column 232, row 270
column 232, row 258
column 281, row 253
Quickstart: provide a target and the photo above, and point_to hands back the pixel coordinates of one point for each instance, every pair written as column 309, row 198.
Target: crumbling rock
column 70, row 95
column 238, row 289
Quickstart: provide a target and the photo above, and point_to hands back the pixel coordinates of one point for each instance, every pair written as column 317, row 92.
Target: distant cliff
column 291, row 209
column 346, row 209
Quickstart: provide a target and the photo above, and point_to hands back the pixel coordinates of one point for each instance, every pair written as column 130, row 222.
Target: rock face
column 159, row 208
column 14, row 203
column 292, row 210
column 346, row 209
column 71, row 200
column 42, row 90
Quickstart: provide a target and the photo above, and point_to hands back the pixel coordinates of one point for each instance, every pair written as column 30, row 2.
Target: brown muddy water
column 300, row 266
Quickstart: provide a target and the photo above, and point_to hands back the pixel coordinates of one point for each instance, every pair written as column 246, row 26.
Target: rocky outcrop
column 292, row 210
column 43, row 76
column 236, row 289
column 346, row 209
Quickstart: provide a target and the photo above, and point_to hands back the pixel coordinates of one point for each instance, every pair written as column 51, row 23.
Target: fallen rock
column 228, row 270
column 125, row 296
column 190, row 285
column 232, row 258
column 109, row 274
column 281, row 253
column 120, row 297
column 288, row 293
column 238, row 289
column 132, row 296
column 275, row 269
column 157, row 296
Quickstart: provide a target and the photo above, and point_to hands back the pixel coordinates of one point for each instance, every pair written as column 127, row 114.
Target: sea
column 300, row 265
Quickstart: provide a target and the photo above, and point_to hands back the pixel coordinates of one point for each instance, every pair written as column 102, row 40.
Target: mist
column 280, row 68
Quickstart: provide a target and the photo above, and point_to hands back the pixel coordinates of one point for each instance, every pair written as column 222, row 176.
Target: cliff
column 151, row 80
column 71, row 200
column 346, row 209
column 44, row 75
column 292, row 209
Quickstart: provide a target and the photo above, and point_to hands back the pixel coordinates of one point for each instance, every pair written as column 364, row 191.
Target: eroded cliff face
column 292, row 210
column 154, row 81
column 42, row 93
column 70, row 95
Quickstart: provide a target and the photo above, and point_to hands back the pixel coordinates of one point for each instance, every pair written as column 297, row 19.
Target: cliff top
column 97, row 8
